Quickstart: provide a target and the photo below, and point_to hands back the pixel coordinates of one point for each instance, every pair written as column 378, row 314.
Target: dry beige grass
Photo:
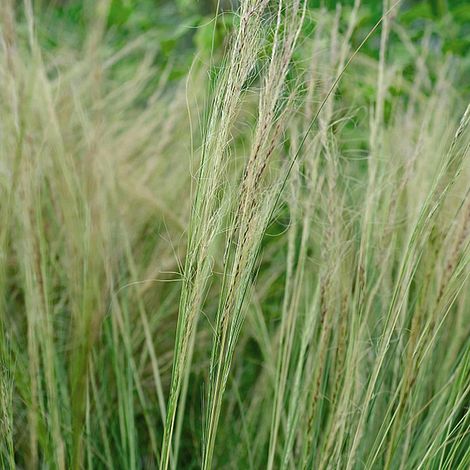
column 267, row 271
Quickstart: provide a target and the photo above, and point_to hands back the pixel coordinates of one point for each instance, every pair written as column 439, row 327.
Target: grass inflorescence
column 262, row 264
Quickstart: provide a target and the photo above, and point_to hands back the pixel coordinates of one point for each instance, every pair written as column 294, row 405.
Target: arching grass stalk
column 251, row 214
column 209, row 204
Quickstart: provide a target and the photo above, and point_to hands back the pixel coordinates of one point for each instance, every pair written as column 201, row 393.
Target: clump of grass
column 267, row 272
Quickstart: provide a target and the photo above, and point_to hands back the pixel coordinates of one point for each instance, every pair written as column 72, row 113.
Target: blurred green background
column 178, row 29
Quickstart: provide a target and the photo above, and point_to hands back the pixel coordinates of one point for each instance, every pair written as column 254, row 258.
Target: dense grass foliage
column 253, row 256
